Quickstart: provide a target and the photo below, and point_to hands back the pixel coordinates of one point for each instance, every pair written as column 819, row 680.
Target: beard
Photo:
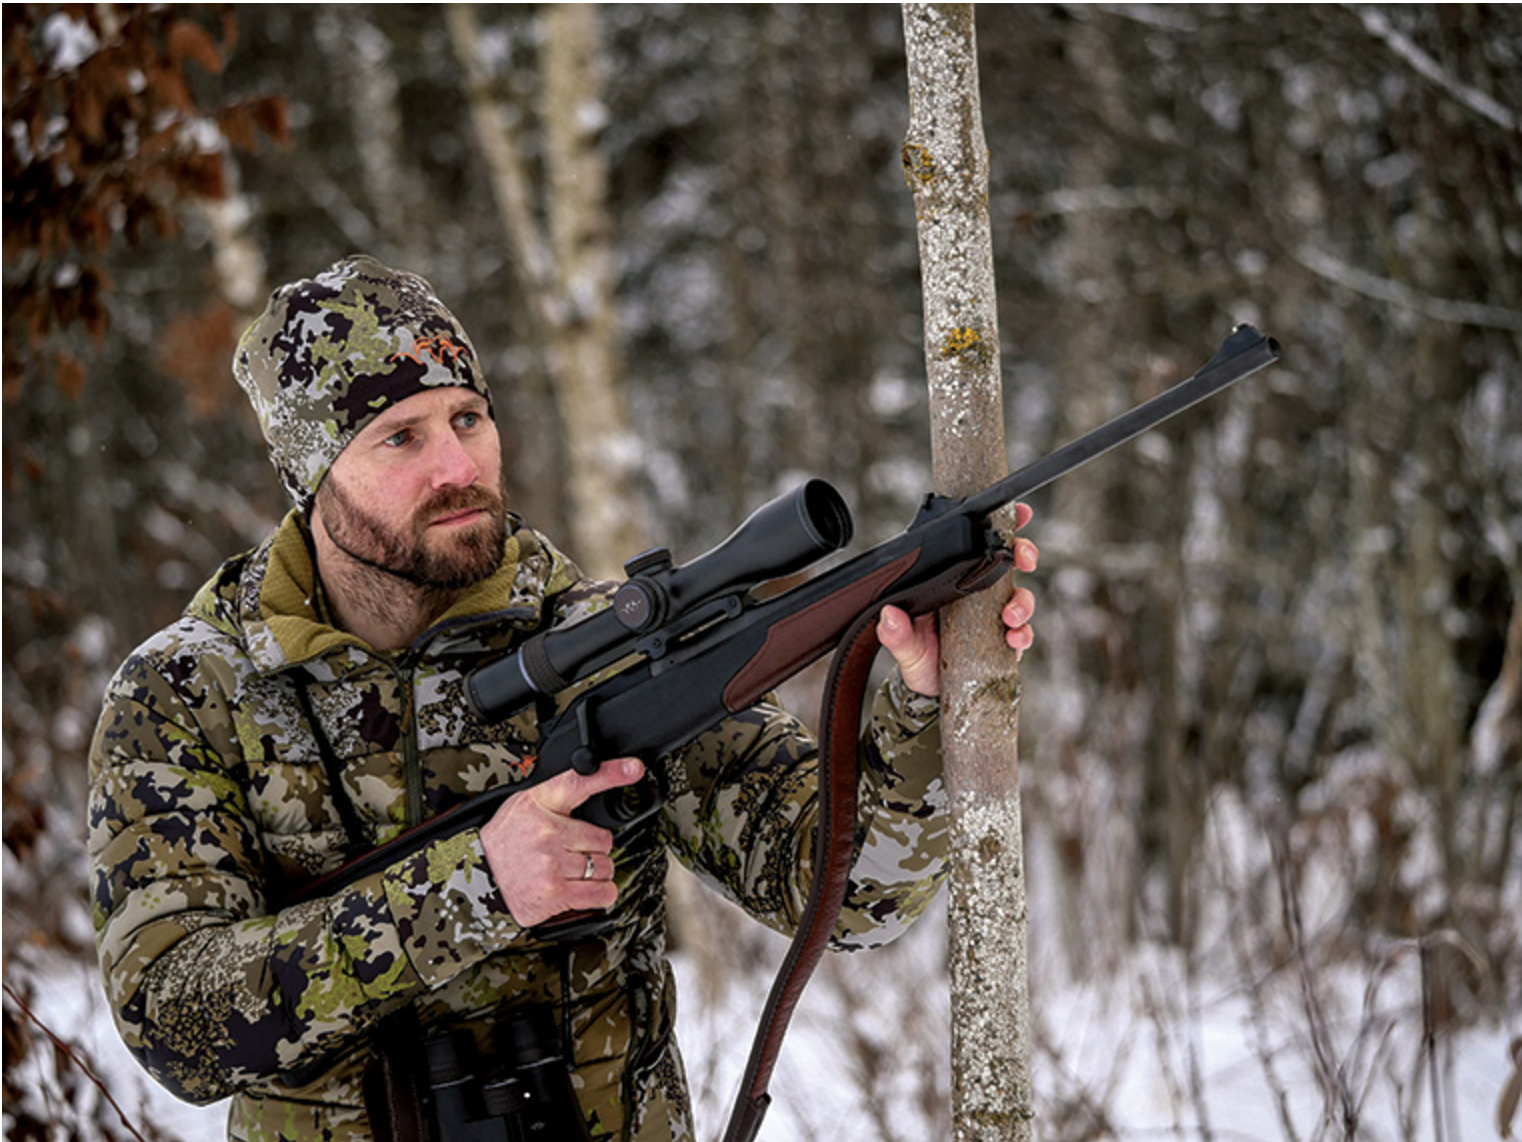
column 461, row 559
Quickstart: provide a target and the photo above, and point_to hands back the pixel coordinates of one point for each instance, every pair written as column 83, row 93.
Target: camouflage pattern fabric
column 209, row 802
column 331, row 353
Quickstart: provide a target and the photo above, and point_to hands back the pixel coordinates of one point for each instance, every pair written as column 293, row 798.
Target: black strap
column 356, row 837
column 393, row 1081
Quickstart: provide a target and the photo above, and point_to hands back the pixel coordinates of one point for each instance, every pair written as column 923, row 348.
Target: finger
column 1017, row 615
column 567, row 896
column 581, row 892
column 1023, row 514
column 1027, row 555
column 900, row 628
column 1020, row 609
column 915, row 647
column 588, row 896
column 911, row 642
column 565, row 792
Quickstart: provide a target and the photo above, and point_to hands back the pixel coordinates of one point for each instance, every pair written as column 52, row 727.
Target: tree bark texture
column 946, row 165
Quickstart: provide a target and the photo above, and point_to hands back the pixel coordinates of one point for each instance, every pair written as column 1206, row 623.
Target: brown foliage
column 194, row 349
column 105, row 137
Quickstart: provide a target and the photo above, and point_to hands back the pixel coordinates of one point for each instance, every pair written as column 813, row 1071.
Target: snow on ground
column 68, row 1000
column 865, row 1060
column 1130, row 1053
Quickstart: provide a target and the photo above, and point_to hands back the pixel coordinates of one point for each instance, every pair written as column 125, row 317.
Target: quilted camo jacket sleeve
column 211, row 990
column 743, row 808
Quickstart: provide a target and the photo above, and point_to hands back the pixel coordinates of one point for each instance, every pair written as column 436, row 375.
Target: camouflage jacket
column 210, row 801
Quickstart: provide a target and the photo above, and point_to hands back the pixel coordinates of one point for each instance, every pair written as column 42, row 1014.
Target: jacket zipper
column 406, row 671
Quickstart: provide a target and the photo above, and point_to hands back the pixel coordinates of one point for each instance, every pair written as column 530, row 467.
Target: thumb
column 894, row 629
column 565, row 792
column 902, row 637
column 915, row 646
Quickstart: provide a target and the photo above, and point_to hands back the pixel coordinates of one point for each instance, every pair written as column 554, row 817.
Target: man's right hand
column 547, row 862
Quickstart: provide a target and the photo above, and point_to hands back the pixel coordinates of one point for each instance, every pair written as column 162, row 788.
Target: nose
column 453, row 465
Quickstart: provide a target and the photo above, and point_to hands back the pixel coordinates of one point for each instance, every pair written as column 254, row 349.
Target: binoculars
column 517, row 1091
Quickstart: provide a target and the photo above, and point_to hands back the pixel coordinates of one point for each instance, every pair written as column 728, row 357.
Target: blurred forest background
column 1272, row 744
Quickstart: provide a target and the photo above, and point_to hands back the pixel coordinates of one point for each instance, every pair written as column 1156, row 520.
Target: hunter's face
column 418, row 492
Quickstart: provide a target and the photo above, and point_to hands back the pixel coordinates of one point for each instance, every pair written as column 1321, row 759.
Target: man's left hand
column 916, row 644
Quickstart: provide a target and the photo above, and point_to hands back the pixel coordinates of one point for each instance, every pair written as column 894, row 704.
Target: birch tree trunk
column 946, row 165
column 565, row 270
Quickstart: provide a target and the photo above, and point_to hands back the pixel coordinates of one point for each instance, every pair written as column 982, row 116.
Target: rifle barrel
column 1242, row 354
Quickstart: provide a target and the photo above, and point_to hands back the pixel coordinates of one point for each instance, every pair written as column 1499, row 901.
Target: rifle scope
column 781, row 537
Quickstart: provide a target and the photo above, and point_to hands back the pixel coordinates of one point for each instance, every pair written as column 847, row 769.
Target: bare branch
column 1362, row 282
column 1378, row 25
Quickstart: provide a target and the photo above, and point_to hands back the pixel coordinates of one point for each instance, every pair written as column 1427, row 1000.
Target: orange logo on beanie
column 442, row 349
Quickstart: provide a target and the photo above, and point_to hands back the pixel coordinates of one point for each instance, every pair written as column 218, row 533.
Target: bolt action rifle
column 683, row 647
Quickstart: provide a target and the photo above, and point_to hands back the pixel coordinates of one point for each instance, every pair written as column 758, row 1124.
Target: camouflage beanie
column 329, row 355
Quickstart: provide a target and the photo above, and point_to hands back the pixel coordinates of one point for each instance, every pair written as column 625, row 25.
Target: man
column 309, row 706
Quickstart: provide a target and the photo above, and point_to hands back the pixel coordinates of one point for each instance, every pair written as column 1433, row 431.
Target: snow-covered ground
column 1265, row 1035
column 1142, row 1054
column 1138, row 1055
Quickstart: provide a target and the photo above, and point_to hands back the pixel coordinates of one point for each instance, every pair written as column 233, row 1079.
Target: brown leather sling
column 835, row 827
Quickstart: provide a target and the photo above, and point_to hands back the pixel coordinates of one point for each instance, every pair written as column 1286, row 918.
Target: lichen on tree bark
column 945, row 163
